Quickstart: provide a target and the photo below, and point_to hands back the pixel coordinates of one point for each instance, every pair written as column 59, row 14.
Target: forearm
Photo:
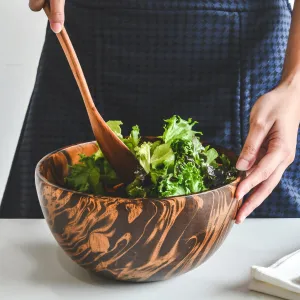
column 291, row 69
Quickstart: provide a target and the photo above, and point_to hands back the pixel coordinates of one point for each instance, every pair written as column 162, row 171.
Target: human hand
column 57, row 15
column 270, row 146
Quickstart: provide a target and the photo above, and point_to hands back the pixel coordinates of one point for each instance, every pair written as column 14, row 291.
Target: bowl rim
column 240, row 176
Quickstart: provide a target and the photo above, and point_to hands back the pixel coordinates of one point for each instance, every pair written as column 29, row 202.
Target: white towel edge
column 267, row 275
column 269, row 289
column 283, row 259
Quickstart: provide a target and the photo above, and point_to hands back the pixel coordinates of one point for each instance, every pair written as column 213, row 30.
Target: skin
column 57, row 17
column 270, row 146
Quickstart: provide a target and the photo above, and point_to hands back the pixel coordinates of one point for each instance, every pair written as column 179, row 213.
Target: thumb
column 57, row 15
column 257, row 133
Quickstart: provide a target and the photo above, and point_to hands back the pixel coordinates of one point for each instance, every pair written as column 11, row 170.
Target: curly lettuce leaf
column 169, row 186
column 188, row 149
column 99, row 154
column 134, row 139
column 115, row 126
column 178, row 129
column 154, row 146
column 186, row 180
column 192, row 179
column 163, row 155
column 135, row 189
column 90, row 174
column 85, row 176
column 156, row 174
column 107, row 173
column 225, row 161
column 143, row 155
column 162, row 161
column 211, row 155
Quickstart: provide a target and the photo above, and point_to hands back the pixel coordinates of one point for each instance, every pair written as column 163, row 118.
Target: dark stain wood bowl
column 132, row 239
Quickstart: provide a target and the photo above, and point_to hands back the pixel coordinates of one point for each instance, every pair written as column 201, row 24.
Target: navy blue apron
column 147, row 60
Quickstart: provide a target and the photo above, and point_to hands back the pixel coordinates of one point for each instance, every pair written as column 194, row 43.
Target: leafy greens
column 175, row 164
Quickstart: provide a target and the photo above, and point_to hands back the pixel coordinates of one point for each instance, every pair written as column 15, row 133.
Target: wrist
column 289, row 88
column 291, row 79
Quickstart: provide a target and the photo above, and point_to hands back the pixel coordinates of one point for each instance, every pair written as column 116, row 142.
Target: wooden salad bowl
column 132, row 239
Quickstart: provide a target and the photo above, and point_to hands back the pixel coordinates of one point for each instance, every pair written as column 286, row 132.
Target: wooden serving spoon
column 116, row 152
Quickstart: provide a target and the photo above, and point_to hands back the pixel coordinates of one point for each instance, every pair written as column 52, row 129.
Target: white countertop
column 33, row 267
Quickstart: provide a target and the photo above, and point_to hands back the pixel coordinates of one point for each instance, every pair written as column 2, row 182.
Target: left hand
column 270, row 146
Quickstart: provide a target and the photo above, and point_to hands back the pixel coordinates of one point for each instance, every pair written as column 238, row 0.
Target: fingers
column 57, row 16
column 248, row 172
column 264, row 169
column 269, row 149
column 260, row 193
column 254, row 141
column 36, row 5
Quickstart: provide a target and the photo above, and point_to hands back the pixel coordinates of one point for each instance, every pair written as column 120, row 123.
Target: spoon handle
column 116, row 152
column 75, row 66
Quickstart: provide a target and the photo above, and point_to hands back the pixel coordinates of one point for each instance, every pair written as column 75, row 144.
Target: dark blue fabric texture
column 147, row 60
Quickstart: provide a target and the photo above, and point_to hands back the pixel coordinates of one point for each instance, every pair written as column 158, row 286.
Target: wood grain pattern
column 132, row 239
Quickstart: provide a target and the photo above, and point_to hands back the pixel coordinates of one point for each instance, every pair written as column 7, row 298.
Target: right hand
column 57, row 16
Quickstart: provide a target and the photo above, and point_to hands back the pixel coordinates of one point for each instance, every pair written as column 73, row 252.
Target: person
column 232, row 65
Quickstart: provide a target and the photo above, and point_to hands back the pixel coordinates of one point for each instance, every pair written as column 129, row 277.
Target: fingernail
column 242, row 164
column 241, row 220
column 56, row 27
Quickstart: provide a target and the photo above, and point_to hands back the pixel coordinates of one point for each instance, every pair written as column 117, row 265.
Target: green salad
column 174, row 164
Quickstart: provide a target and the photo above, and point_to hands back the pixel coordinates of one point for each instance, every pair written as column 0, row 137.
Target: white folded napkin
column 281, row 279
